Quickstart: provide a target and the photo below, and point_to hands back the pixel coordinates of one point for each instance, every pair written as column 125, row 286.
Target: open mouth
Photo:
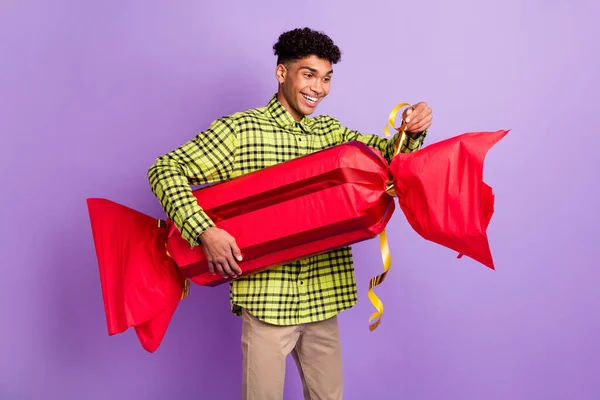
column 311, row 101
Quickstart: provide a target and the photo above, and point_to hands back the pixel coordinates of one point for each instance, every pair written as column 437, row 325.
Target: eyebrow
column 315, row 71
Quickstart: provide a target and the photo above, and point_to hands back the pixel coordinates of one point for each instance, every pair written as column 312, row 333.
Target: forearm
column 384, row 145
column 172, row 188
column 208, row 158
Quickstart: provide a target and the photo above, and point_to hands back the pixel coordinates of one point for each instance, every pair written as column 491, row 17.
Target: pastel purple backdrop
column 92, row 92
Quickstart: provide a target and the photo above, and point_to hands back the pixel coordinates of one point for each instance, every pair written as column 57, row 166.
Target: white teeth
column 311, row 99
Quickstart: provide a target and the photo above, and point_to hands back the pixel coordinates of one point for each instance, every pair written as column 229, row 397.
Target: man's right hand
column 221, row 252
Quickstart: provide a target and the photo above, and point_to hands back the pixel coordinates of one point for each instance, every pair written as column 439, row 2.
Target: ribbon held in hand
column 441, row 191
column 384, row 247
column 346, row 191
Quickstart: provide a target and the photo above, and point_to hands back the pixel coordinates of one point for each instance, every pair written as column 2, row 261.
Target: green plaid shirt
column 304, row 291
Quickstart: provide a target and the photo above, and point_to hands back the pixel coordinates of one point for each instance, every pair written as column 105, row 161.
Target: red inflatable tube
column 305, row 206
column 332, row 198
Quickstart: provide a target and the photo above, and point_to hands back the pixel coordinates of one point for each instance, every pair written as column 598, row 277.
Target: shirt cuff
column 194, row 226
column 415, row 144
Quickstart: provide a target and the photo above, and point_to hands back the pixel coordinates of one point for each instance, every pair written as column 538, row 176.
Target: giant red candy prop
column 309, row 205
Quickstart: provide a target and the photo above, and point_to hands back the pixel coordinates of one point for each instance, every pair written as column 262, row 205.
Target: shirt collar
column 283, row 117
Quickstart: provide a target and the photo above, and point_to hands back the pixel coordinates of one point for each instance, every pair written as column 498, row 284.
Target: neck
column 297, row 116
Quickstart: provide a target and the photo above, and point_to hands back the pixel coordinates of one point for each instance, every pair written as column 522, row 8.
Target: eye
column 308, row 75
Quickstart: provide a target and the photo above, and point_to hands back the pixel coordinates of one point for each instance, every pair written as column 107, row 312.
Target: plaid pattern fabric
column 308, row 290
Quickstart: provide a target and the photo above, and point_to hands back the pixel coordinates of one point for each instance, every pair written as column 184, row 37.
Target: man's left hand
column 417, row 119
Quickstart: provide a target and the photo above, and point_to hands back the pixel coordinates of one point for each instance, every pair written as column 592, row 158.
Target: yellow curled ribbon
column 186, row 289
column 383, row 242
column 377, row 280
column 391, row 122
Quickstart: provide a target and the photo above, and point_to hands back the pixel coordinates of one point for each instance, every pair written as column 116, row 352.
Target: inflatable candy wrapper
column 312, row 204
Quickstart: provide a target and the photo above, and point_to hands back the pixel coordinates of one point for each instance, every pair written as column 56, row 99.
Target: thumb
column 406, row 116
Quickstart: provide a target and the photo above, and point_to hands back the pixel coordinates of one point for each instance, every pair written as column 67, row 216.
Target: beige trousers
column 316, row 351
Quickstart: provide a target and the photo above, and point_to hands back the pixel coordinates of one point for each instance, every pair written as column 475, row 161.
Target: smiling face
column 303, row 84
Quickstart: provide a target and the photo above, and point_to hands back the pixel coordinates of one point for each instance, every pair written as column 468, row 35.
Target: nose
column 317, row 87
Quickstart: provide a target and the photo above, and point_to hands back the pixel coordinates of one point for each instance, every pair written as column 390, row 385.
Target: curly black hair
column 304, row 42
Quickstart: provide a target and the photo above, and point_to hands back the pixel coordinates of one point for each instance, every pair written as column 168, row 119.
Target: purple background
column 92, row 92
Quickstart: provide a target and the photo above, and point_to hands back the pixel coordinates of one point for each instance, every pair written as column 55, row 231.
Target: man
column 292, row 308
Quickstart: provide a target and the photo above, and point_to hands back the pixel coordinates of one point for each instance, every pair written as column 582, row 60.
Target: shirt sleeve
column 207, row 158
column 385, row 145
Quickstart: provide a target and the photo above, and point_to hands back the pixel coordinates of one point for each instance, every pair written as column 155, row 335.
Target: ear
column 280, row 73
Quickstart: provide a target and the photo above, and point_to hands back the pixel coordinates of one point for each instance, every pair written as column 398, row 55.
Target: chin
column 303, row 110
column 308, row 110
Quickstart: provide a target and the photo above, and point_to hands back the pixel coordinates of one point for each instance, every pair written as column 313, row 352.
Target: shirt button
column 300, row 139
column 301, row 283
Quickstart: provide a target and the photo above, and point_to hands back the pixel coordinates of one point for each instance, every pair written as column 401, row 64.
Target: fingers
column 216, row 268
column 221, row 253
column 412, row 111
column 224, row 267
column 225, row 262
column 232, row 268
column 422, row 124
column 237, row 253
column 229, row 266
column 418, row 118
